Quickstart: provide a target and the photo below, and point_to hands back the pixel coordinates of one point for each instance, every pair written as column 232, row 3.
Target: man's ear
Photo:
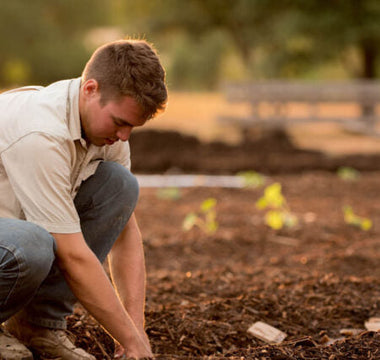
column 90, row 87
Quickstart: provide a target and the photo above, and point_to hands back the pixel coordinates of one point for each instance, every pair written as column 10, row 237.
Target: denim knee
column 32, row 246
column 26, row 257
column 105, row 202
column 40, row 251
column 112, row 188
column 120, row 183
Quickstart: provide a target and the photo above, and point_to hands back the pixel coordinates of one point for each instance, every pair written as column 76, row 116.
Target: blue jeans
column 29, row 276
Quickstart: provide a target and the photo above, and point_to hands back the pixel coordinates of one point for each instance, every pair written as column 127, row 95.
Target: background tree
column 202, row 33
column 42, row 41
column 291, row 38
column 201, row 42
column 344, row 31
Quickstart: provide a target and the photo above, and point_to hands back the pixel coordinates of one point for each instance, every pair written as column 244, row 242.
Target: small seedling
column 348, row 173
column 252, row 178
column 171, row 193
column 352, row 219
column 278, row 214
column 205, row 218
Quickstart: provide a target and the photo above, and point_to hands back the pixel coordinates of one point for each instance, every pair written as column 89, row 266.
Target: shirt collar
column 72, row 110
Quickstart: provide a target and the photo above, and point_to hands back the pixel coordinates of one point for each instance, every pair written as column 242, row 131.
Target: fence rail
column 279, row 94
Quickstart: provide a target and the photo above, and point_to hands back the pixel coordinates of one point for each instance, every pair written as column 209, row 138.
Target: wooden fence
column 278, row 96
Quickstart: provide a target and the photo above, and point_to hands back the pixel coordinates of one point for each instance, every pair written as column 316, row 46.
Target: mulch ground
column 310, row 281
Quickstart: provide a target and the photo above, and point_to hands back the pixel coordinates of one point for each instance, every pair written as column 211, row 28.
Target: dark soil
column 310, row 281
column 270, row 152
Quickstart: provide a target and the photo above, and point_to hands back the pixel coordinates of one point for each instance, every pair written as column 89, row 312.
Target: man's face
column 104, row 125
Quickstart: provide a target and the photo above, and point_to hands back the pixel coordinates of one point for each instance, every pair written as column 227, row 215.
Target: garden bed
column 310, row 281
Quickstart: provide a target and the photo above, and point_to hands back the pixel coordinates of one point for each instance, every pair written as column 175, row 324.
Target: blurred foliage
column 201, row 42
column 272, row 39
column 204, row 219
column 352, row 219
column 42, row 41
column 278, row 214
column 252, row 178
column 170, row 193
column 347, row 173
column 348, row 30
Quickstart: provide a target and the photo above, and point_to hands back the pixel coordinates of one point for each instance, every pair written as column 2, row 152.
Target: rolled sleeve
column 39, row 168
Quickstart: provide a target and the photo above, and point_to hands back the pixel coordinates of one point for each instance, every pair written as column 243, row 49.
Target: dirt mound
column 270, row 153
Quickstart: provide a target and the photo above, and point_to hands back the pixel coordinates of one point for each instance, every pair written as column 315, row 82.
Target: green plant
column 352, row 219
column 170, row 193
column 252, row 178
column 348, row 173
column 278, row 214
column 205, row 218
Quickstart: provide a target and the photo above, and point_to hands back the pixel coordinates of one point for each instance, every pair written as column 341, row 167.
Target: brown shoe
column 11, row 348
column 47, row 343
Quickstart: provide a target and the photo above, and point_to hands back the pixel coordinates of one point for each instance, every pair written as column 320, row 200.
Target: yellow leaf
column 261, row 203
column 273, row 195
column 349, row 216
column 274, row 219
column 252, row 178
column 366, row 224
column 208, row 204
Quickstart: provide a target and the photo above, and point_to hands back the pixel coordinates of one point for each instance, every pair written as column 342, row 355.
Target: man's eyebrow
column 123, row 121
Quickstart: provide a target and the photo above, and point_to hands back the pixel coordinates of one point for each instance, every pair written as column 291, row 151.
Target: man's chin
column 108, row 142
column 97, row 142
column 101, row 142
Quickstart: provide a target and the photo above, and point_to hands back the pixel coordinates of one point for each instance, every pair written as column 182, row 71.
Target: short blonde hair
column 129, row 68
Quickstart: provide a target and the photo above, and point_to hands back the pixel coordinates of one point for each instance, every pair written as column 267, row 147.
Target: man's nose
column 124, row 133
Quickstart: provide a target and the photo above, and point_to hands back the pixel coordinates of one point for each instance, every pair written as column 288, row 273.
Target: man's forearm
column 90, row 284
column 127, row 266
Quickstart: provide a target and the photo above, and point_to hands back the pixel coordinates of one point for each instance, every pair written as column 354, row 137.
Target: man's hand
column 122, row 353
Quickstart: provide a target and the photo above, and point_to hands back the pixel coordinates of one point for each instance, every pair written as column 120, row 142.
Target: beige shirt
column 43, row 158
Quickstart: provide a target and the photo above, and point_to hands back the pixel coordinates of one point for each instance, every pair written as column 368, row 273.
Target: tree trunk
column 369, row 56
